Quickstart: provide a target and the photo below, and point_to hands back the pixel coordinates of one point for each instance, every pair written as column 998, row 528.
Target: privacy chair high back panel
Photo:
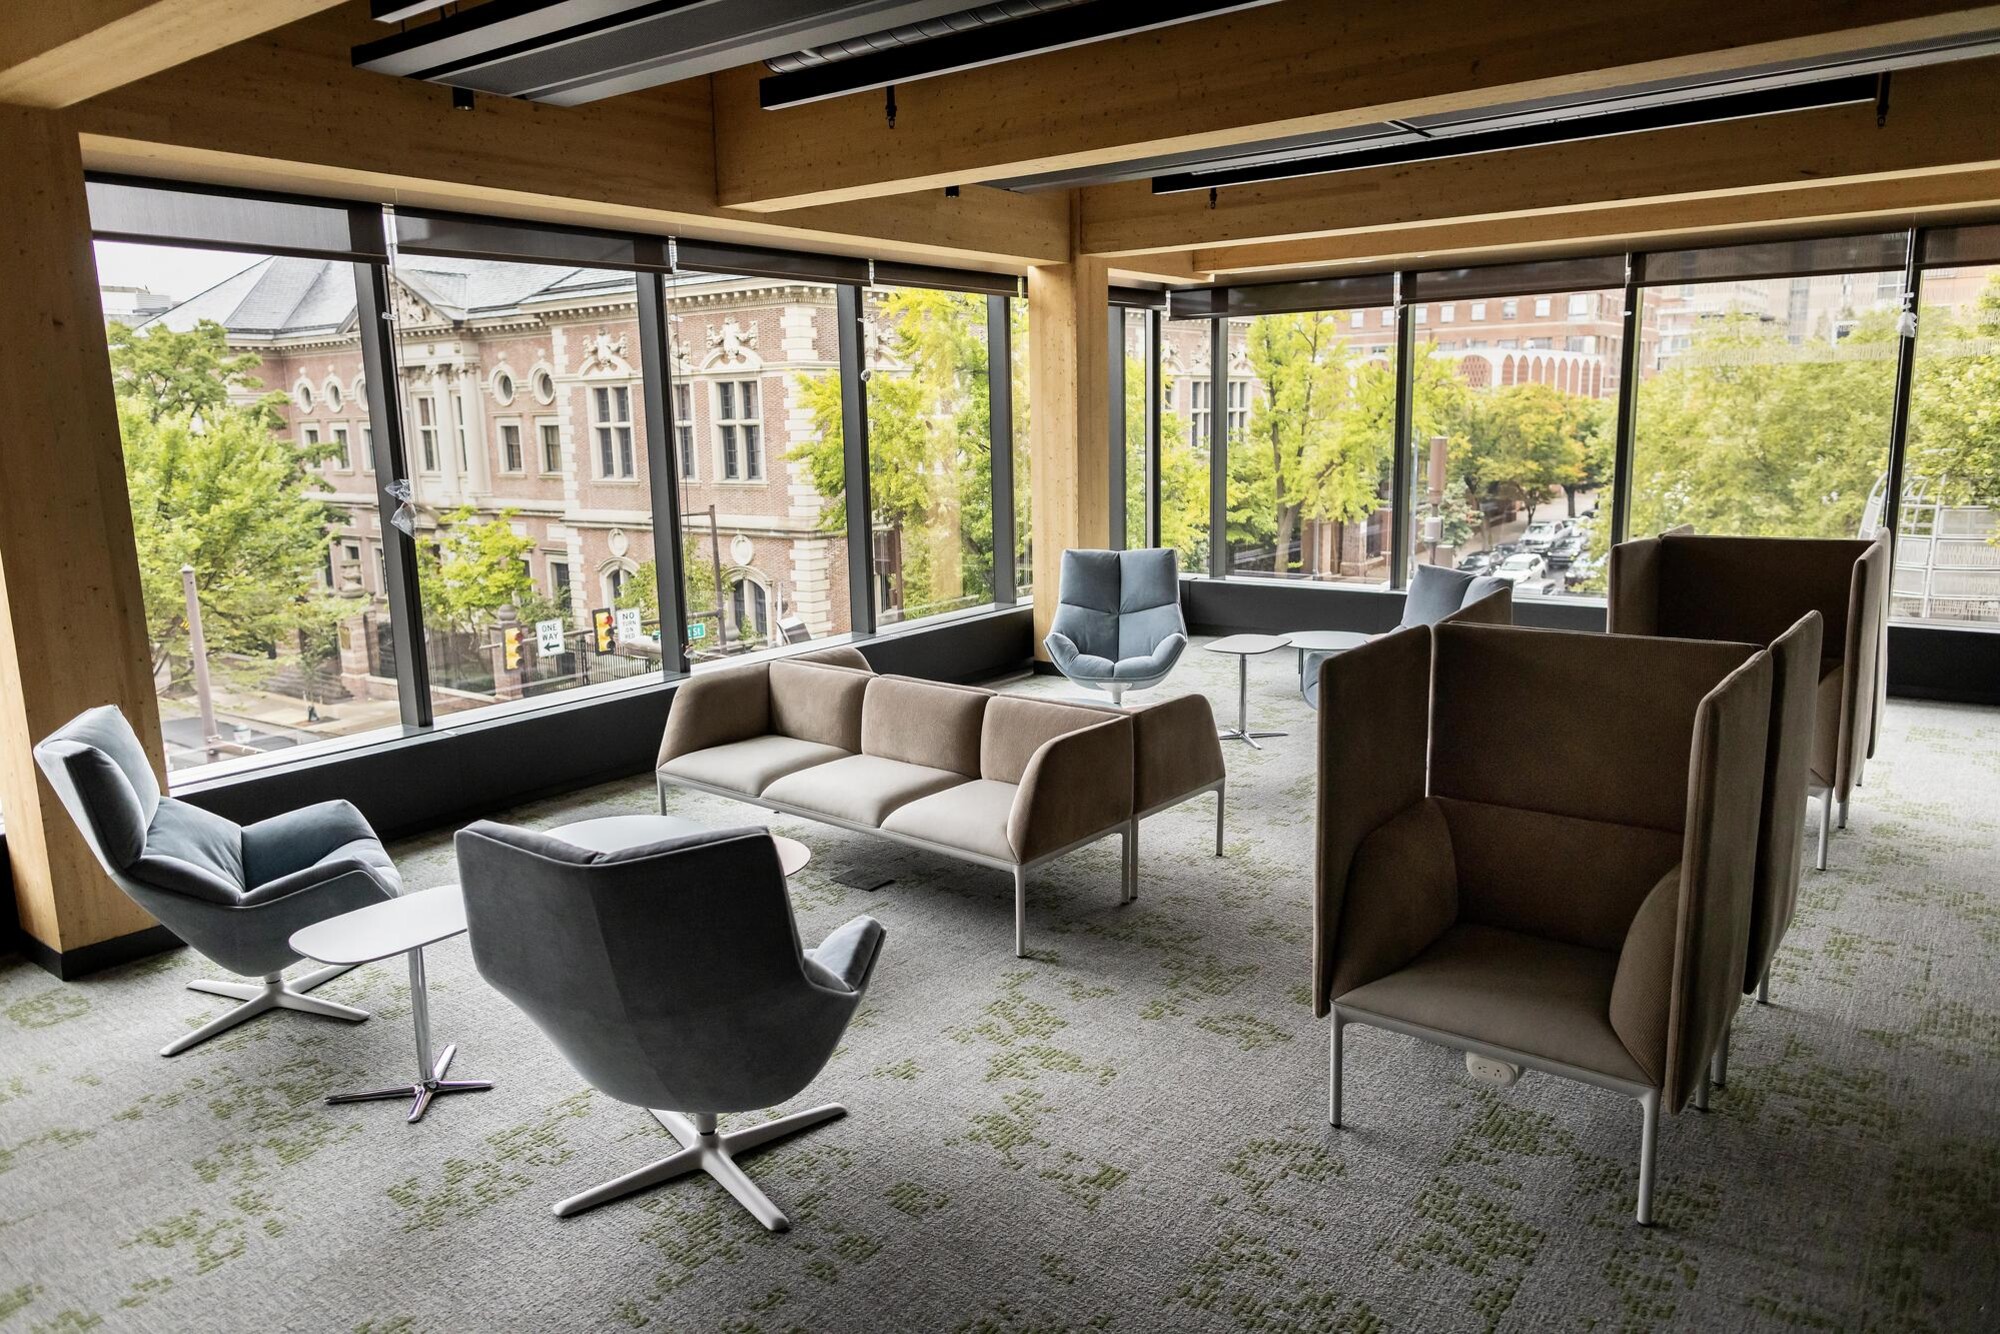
column 1579, row 907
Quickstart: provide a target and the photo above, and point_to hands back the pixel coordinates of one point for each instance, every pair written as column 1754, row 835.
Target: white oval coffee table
column 1309, row 642
column 1245, row 647
column 402, row 925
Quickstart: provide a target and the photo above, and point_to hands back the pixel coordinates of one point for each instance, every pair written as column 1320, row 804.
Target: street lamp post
column 198, row 654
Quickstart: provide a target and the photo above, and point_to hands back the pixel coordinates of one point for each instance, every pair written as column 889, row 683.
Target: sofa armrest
column 1402, row 892
column 1176, row 751
column 1075, row 785
column 717, row 708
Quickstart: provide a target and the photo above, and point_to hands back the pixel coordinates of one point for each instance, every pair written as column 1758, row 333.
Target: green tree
column 226, row 496
column 1955, row 408
column 473, row 568
column 183, row 373
column 1750, row 434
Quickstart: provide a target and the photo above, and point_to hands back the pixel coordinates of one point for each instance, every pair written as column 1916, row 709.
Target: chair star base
column 703, row 1149
column 272, row 992
column 421, row 1093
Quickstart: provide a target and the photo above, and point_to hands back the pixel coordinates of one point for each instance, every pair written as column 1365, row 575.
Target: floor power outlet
column 1500, row 1074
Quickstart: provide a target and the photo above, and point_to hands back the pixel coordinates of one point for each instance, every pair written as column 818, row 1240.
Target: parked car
column 1541, row 535
column 1478, row 562
column 1522, row 566
column 1569, row 547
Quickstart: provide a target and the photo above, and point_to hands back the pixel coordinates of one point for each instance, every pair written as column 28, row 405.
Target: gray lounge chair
column 669, row 976
column 1118, row 624
column 236, row 893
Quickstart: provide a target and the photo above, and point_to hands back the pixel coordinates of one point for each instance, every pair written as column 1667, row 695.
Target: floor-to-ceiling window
column 490, row 353
column 1948, row 536
column 1765, row 409
column 759, row 453
column 1184, row 442
column 1310, row 407
column 240, row 397
column 930, row 451
column 1513, row 417
column 1131, row 445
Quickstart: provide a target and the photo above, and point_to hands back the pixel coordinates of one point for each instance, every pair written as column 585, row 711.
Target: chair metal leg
column 1701, row 1088
column 1333, row 1075
column 704, row 1149
column 273, row 993
column 1220, row 795
column 1825, row 821
column 1718, row 1069
column 1764, row 987
column 1843, row 813
column 1020, row 912
column 1649, row 1133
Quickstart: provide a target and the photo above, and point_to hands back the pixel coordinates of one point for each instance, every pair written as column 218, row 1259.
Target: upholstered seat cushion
column 862, row 789
column 971, row 817
column 751, row 766
column 1513, row 990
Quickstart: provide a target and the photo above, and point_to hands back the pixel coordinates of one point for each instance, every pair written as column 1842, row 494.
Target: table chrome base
column 703, row 1150
column 420, row 1093
column 1234, row 734
column 269, row 993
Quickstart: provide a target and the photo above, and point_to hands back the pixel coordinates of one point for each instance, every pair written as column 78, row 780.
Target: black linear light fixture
column 1435, row 142
column 946, row 46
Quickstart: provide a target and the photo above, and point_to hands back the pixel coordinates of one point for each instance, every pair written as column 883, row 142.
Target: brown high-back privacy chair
column 1682, row 585
column 1579, row 906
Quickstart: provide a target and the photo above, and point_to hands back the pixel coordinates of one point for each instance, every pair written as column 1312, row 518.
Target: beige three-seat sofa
column 1002, row 780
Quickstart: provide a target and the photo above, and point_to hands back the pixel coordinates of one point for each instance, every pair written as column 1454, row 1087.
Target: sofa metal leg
column 1131, row 863
column 1649, row 1134
column 1020, row 912
column 1825, row 823
column 1843, row 813
column 1764, row 987
column 1333, row 1072
column 1221, row 794
column 660, row 785
column 1701, row 1087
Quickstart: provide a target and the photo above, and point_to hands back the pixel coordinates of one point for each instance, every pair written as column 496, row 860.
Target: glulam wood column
column 72, row 619
column 1068, row 420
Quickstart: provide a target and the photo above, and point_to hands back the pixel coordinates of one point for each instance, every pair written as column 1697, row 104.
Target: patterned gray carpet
column 1124, row 1133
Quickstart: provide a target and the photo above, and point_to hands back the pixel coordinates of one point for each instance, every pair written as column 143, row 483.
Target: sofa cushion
column 861, row 789
column 818, row 702
column 924, row 723
column 1513, row 990
column 750, row 766
column 1014, row 728
column 971, row 817
column 1435, row 593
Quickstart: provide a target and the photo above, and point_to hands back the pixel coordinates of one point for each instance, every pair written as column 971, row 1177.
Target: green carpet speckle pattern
column 1125, row 1132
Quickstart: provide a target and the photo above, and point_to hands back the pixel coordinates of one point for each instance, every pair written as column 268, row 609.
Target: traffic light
column 606, row 626
column 510, row 648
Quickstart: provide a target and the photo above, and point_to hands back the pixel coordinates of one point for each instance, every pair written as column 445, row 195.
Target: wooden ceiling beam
column 287, row 111
column 56, row 55
column 1279, row 70
column 1943, row 119
column 1863, row 205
